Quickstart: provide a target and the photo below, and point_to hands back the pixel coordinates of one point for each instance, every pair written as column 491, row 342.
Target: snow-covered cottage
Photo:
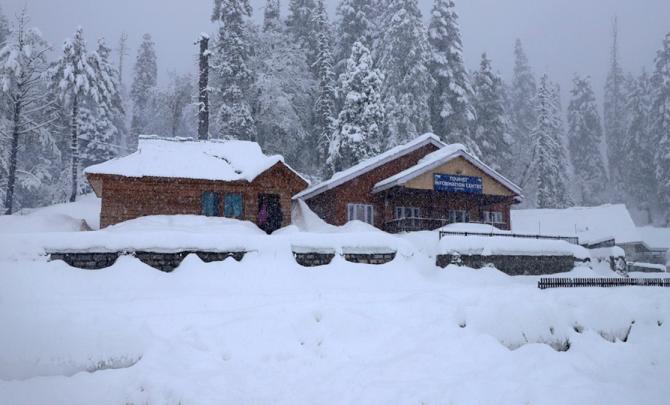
column 421, row 185
column 168, row 176
column 596, row 227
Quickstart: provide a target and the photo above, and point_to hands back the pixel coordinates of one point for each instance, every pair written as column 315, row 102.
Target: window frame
column 216, row 204
column 368, row 212
column 494, row 217
column 401, row 212
column 225, row 205
column 465, row 216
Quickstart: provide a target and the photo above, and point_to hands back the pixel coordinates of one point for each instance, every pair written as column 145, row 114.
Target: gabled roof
column 588, row 223
column 370, row 164
column 221, row 160
column 437, row 159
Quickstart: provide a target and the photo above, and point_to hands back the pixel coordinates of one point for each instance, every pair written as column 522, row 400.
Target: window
column 232, row 206
column 407, row 212
column 493, row 217
column 457, row 216
column 210, row 204
column 360, row 212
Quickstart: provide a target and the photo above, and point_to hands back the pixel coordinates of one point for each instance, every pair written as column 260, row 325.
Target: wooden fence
column 545, row 283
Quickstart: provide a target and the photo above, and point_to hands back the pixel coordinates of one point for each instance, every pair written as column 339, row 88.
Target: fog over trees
column 328, row 87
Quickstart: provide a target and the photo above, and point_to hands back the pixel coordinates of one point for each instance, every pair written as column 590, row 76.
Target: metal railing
column 415, row 224
column 545, row 283
column 570, row 239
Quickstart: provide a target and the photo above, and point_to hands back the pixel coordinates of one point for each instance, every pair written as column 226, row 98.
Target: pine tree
column 144, row 85
column 522, row 110
column 562, row 190
column 358, row 131
column 403, row 56
column 232, row 55
column 203, row 86
column 584, row 139
column 661, row 125
column 548, row 159
column 300, row 26
column 272, row 16
column 640, row 175
column 356, row 24
column 452, row 114
column 22, row 62
column 614, row 118
column 325, row 101
column 75, row 82
column 4, row 28
column 491, row 132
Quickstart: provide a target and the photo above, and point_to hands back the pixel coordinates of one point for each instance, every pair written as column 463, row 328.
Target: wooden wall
column 125, row 198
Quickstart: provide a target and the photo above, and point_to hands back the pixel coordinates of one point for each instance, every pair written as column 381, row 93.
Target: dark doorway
column 270, row 217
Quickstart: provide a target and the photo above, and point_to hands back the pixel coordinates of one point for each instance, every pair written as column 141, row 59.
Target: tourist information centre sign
column 453, row 183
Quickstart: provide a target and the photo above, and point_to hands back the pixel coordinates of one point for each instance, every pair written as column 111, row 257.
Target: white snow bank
column 225, row 160
column 587, row 223
column 501, row 245
column 267, row 331
column 607, row 252
column 655, row 238
column 474, row 228
column 65, row 217
column 187, row 223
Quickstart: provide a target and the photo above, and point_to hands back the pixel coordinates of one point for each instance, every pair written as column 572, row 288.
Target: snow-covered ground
column 266, row 330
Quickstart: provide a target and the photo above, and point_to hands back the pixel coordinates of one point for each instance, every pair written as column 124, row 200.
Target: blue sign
column 453, row 183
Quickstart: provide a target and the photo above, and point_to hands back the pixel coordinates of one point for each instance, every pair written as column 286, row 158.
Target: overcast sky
column 561, row 37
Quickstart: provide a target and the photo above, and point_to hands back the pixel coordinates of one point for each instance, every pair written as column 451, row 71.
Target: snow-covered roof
column 438, row 158
column 370, row 164
column 222, row 160
column 655, row 238
column 587, row 223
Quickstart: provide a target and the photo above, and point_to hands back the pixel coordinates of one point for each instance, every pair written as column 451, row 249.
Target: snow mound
column 501, row 245
column 65, row 217
column 474, row 228
column 187, row 223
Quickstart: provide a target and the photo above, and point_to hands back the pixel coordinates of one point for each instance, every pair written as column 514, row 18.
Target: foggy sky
column 561, row 37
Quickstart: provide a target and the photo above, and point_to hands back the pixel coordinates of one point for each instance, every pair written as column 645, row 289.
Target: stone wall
column 313, row 259
column 512, row 265
column 166, row 262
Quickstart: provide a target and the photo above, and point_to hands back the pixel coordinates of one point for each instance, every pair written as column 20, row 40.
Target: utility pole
column 203, row 87
column 123, row 51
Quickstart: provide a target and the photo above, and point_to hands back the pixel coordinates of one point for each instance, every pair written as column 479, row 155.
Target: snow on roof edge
column 241, row 168
column 422, row 167
column 369, row 164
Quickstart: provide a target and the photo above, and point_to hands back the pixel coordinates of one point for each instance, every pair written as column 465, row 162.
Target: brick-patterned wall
column 125, row 198
column 332, row 204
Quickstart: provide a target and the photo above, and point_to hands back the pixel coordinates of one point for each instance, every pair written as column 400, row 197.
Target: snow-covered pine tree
column 356, row 24
column 452, row 113
column 272, row 16
column 144, row 84
column 522, row 110
column 324, row 108
column 300, row 26
column 614, row 118
column 4, row 28
column 283, row 94
column 639, row 170
column 660, row 125
column 232, row 54
column 584, row 139
column 169, row 106
column 562, row 189
column 103, row 142
column 546, row 164
column 22, row 62
column 75, row 82
column 358, row 131
column 491, row 132
column 403, row 54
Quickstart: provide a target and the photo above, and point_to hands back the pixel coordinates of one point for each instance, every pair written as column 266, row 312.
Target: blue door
column 210, row 204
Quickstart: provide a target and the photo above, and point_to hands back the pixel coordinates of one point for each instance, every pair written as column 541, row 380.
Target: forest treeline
column 328, row 94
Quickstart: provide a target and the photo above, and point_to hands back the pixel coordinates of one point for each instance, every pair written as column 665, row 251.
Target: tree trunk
column 11, row 181
column 203, row 91
column 74, row 148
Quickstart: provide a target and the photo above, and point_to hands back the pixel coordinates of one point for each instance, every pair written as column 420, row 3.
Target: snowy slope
column 65, row 217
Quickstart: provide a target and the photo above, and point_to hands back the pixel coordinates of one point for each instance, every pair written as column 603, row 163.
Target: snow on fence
column 545, row 283
column 570, row 239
